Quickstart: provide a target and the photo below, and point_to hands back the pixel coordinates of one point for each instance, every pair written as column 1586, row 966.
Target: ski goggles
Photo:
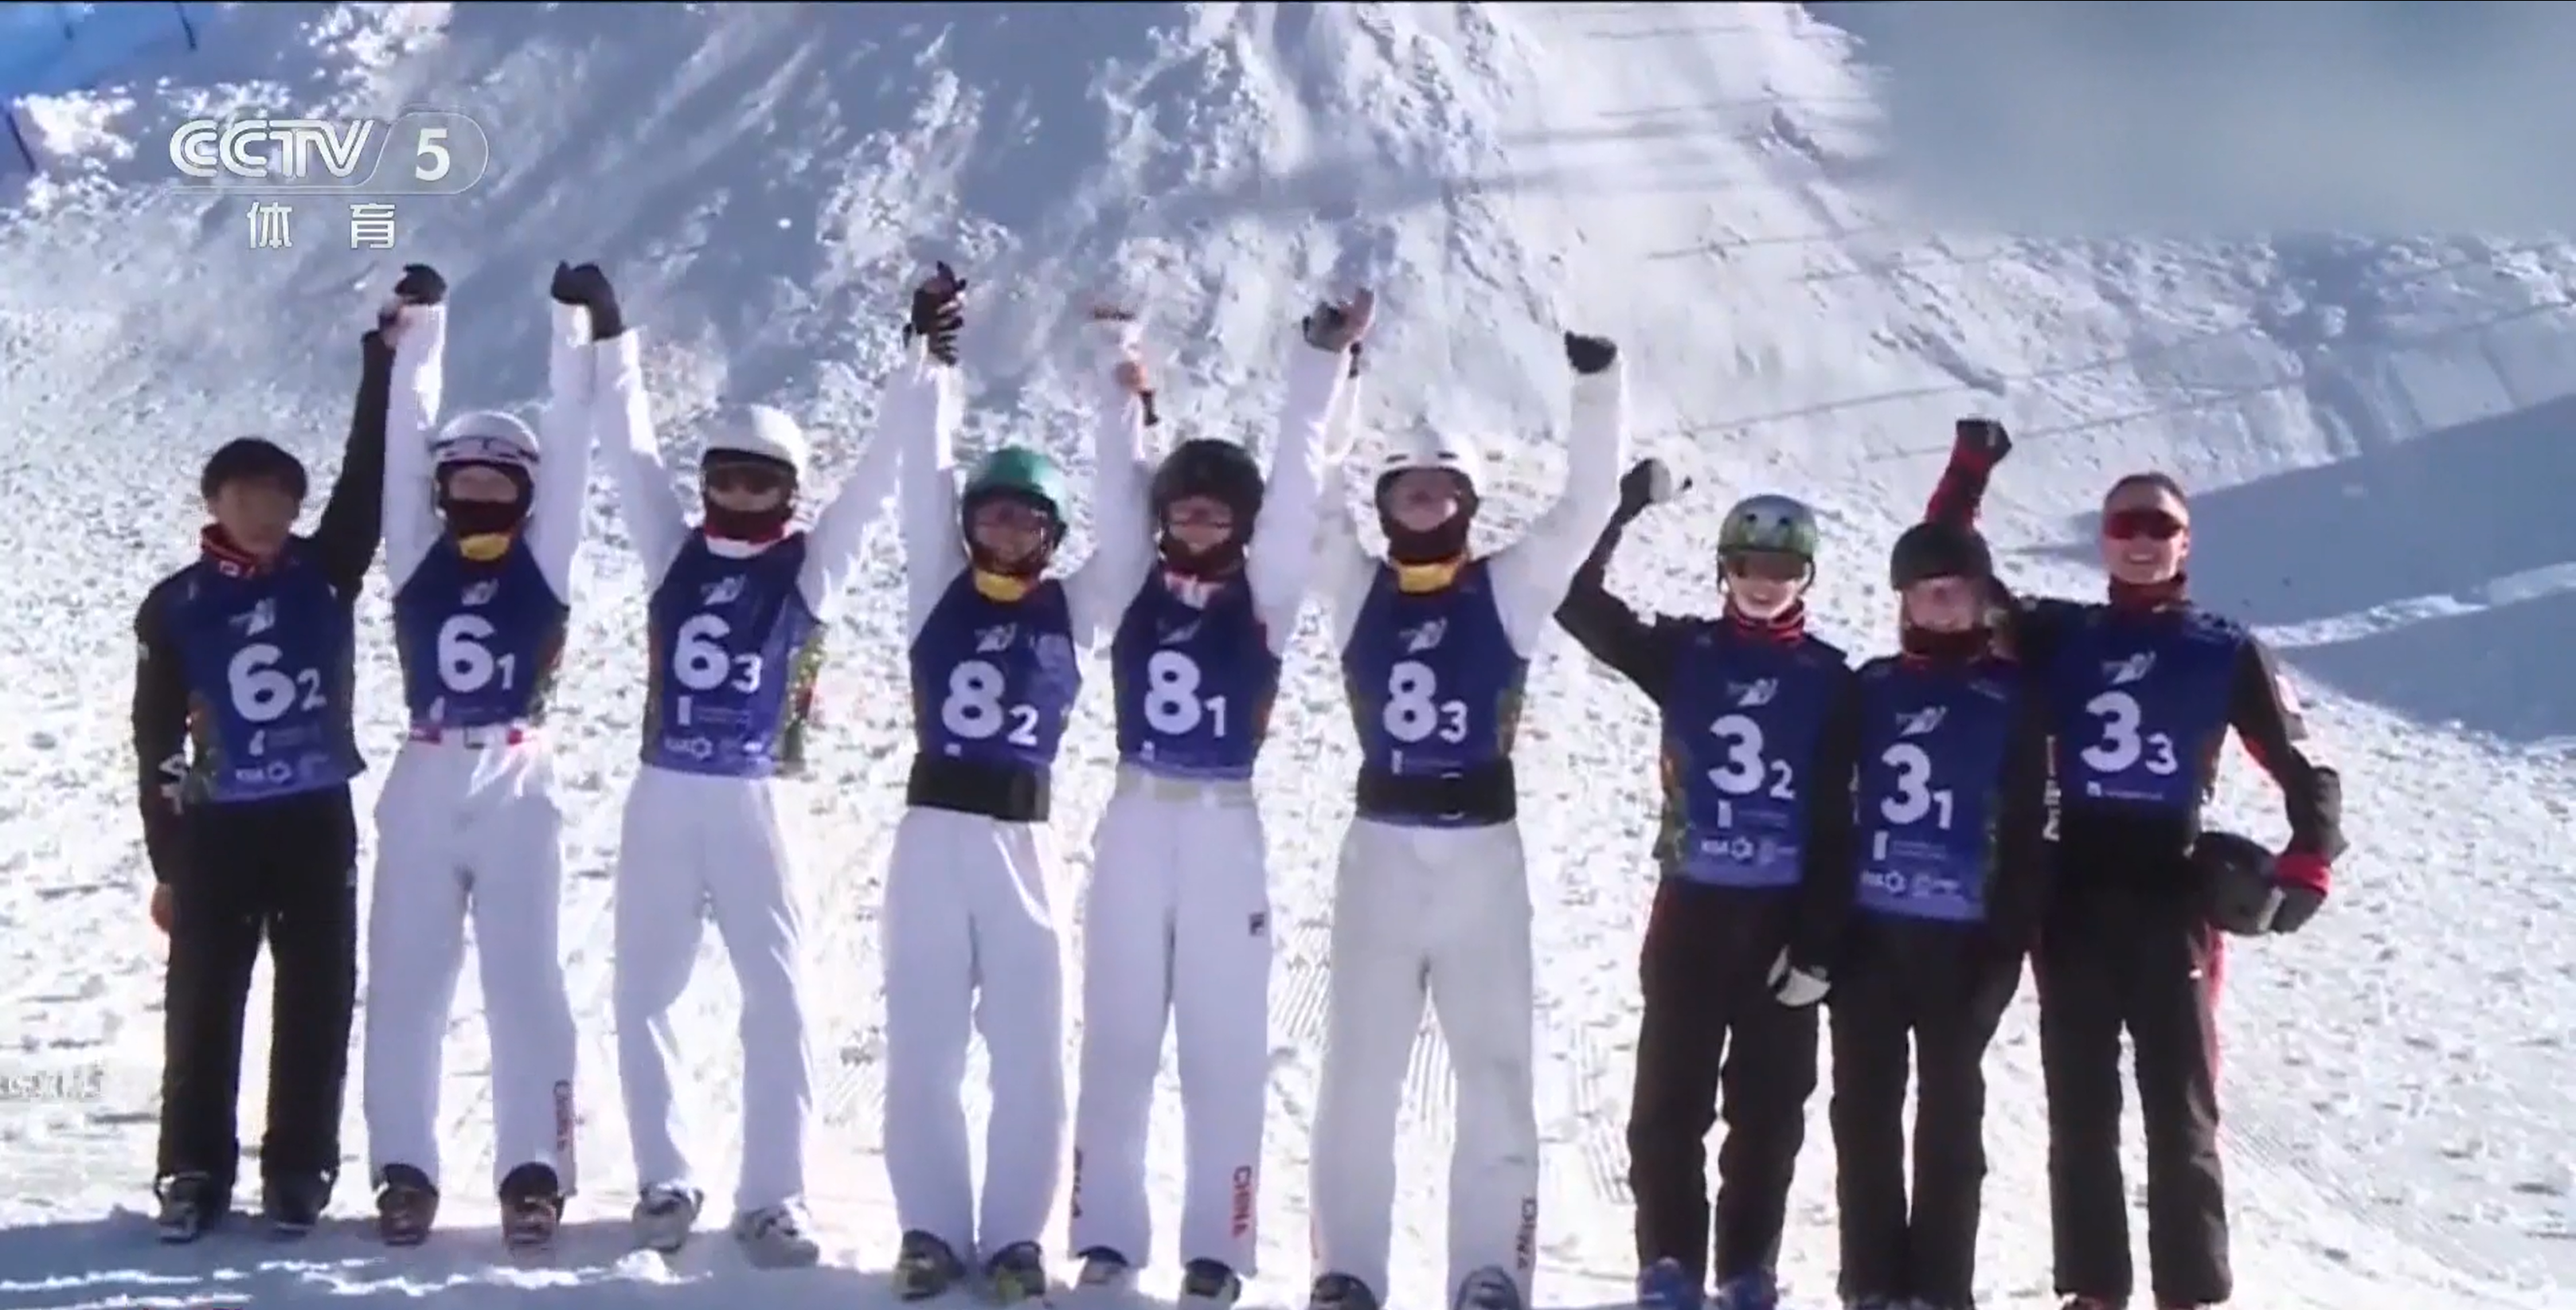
column 2131, row 524
column 483, row 450
column 747, row 477
column 1766, row 565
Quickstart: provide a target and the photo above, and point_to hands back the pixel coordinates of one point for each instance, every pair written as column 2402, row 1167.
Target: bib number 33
column 2122, row 745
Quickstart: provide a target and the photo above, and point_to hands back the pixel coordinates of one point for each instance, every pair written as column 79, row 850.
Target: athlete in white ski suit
column 737, row 622
column 1432, row 896
column 971, row 936
column 1176, row 924
column 467, row 823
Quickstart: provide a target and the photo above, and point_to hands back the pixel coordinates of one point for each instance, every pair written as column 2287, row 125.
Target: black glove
column 1338, row 326
column 1356, row 348
column 2298, row 905
column 420, row 285
column 1979, row 442
column 585, row 287
column 1590, row 355
column 1647, row 484
column 939, row 313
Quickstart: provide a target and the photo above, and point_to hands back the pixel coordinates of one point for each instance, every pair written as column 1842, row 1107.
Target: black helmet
column 1223, row 472
column 244, row 458
column 2238, row 887
column 1939, row 550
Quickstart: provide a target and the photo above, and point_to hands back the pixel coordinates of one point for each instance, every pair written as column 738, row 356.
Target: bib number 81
column 1173, row 706
column 974, row 711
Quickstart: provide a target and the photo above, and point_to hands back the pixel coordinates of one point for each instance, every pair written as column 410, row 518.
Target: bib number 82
column 2122, row 745
column 265, row 693
column 1173, row 706
column 1413, row 712
column 973, row 709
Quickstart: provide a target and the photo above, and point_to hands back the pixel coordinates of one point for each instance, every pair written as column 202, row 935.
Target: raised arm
column 417, row 334
column 160, row 735
column 1602, row 623
column 353, row 519
column 1531, row 575
column 1317, row 369
column 1122, row 524
column 1343, row 567
column 584, row 310
column 647, row 498
column 841, row 527
column 927, row 400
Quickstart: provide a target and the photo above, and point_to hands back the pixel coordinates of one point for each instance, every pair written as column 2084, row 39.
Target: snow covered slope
column 2374, row 424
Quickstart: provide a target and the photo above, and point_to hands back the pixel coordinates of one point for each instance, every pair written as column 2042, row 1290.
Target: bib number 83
column 1413, row 712
column 973, row 709
column 1173, row 706
column 2122, row 745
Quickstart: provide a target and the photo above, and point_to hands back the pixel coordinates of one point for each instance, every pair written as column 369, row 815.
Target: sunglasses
column 1766, row 565
column 747, row 478
column 2130, row 524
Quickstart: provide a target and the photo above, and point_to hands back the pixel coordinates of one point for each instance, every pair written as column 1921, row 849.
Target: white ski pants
column 971, row 948
column 1175, row 928
column 694, row 848
column 466, row 826
column 1441, row 914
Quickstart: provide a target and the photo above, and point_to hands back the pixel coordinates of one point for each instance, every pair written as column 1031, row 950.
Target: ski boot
column 1754, row 1289
column 1488, row 1288
column 1016, row 1273
column 406, row 1205
column 1665, row 1285
column 190, row 1203
column 925, row 1268
column 532, row 1204
column 1210, row 1285
column 2079, row 1301
column 1105, row 1270
column 775, row 1237
column 1340, row 1292
column 293, row 1203
column 1883, row 1303
column 664, row 1214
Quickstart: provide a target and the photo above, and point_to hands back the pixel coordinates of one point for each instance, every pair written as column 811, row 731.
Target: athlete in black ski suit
column 1941, row 753
column 2143, row 689
column 244, row 747
column 1744, row 702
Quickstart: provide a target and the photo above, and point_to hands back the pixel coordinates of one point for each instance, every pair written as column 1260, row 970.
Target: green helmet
column 1022, row 472
column 1774, row 524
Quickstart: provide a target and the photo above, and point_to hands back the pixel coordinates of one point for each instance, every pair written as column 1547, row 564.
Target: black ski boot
column 293, row 1203
column 1016, row 1273
column 1105, row 1268
column 532, row 1204
column 925, row 1268
column 1340, row 1292
column 406, row 1205
column 191, row 1203
column 1211, row 1284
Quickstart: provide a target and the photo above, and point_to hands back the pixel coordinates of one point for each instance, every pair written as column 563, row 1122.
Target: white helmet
column 485, row 436
column 1441, row 450
column 760, row 431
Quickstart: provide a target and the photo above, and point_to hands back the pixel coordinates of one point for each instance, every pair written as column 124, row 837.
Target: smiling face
column 1950, row 604
column 2146, row 533
column 256, row 514
column 1008, row 530
column 1763, row 584
column 1421, row 499
column 1199, row 523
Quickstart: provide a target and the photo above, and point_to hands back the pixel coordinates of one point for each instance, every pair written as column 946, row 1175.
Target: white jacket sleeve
column 921, row 410
column 1282, row 558
column 1344, row 568
column 1122, row 525
column 646, row 496
column 841, row 528
column 1531, row 575
column 562, row 490
column 420, row 378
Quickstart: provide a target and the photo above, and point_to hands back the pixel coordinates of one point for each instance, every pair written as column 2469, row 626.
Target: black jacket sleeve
column 353, row 520
column 2016, row 902
column 1829, row 874
column 2265, row 714
column 160, row 734
column 1606, row 627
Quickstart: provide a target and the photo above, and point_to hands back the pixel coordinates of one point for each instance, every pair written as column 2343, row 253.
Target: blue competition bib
column 271, row 660
column 734, row 652
column 1935, row 743
column 1193, row 683
column 1741, row 727
column 994, row 681
column 2140, row 704
column 479, row 642
column 1433, row 681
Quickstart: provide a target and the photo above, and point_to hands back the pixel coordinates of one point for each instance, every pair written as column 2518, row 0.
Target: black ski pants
column 1940, row 989
column 1714, row 1044
column 2132, row 951
column 283, row 871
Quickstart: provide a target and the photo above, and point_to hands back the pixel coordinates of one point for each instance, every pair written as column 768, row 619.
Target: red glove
column 2303, row 879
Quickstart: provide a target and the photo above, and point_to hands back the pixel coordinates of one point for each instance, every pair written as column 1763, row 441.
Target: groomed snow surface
column 2379, row 429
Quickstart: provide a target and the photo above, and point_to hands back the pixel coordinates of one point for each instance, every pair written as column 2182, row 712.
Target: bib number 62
column 265, row 693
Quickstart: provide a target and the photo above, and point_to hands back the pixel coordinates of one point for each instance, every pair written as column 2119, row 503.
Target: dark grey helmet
column 1772, row 523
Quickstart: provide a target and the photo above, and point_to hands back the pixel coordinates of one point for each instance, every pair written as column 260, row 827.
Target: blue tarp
column 48, row 49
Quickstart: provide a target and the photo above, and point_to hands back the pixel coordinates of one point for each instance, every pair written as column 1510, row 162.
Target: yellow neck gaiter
column 1003, row 587
column 1415, row 579
column 485, row 547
